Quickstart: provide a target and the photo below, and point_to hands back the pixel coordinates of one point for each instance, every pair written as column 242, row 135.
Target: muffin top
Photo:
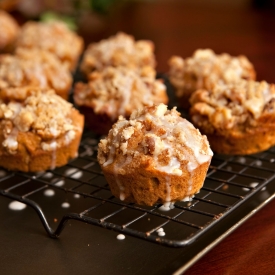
column 33, row 67
column 52, row 36
column 41, row 113
column 232, row 106
column 8, row 29
column 154, row 137
column 206, row 67
column 118, row 50
column 118, row 91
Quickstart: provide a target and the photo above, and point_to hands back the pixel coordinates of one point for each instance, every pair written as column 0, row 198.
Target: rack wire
column 79, row 191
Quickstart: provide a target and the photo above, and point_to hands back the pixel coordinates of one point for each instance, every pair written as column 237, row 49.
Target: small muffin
column 39, row 132
column 155, row 156
column 54, row 37
column 118, row 50
column 205, row 68
column 117, row 91
column 237, row 118
column 34, row 67
column 8, row 32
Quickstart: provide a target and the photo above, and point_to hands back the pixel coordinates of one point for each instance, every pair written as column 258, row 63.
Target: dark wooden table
column 181, row 27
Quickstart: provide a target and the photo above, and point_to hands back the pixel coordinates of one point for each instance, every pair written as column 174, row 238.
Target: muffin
column 8, row 32
column 116, row 91
column 34, row 67
column 155, row 156
column 38, row 130
column 118, row 50
column 54, row 37
column 205, row 68
column 237, row 118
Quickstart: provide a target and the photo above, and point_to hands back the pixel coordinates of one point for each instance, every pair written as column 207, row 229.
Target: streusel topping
column 118, row 91
column 52, row 36
column 233, row 105
column 157, row 136
column 205, row 68
column 42, row 113
column 33, row 67
column 118, row 50
column 8, row 29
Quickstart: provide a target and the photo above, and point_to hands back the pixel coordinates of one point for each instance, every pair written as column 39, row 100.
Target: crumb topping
column 118, row 50
column 42, row 113
column 8, row 29
column 33, row 67
column 117, row 91
column 205, row 67
column 156, row 135
column 52, row 36
column 233, row 105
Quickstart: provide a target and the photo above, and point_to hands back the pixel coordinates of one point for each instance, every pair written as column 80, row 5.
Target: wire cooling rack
column 79, row 191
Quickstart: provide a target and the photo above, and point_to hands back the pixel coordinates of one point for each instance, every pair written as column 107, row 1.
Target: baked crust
column 116, row 91
column 204, row 69
column 155, row 156
column 118, row 50
column 39, row 132
column 54, row 37
column 238, row 118
column 35, row 68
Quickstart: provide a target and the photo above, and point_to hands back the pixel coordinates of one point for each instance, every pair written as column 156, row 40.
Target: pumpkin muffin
column 116, row 91
column 155, row 156
column 204, row 69
column 237, row 118
column 54, row 37
column 38, row 130
column 118, row 50
column 34, row 67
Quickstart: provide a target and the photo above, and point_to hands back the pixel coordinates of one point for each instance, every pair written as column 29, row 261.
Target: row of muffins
column 162, row 162
column 39, row 129
column 154, row 155
column 225, row 102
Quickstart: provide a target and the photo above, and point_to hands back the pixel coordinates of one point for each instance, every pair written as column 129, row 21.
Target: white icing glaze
column 17, row 206
column 11, row 141
column 161, row 234
column 120, row 237
column 60, row 183
column 49, row 192
column 65, row 205
column 77, row 175
column 70, row 171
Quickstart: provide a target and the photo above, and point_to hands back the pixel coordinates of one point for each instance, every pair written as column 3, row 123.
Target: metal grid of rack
column 79, row 191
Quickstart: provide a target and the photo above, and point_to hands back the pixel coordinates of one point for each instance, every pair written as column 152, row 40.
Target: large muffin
column 34, row 67
column 204, row 69
column 116, row 91
column 118, row 50
column 155, row 156
column 55, row 37
column 8, row 32
column 38, row 130
column 237, row 118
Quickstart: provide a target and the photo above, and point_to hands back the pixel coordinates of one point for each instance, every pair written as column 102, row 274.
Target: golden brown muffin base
column 236, row 143
column 249, row 141
column 31, row 158
column 147, row 186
